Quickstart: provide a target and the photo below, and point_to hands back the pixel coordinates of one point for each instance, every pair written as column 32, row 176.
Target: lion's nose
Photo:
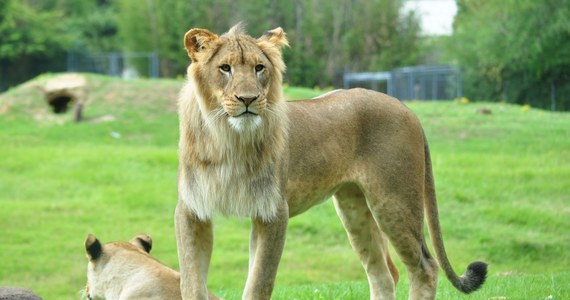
column 247, row 100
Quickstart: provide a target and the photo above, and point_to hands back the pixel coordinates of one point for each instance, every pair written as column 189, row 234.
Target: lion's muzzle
column 247, row 100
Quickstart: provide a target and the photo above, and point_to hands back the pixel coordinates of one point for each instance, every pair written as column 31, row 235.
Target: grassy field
column 503, row 182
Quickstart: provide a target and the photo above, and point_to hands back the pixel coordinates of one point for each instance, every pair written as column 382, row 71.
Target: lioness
column 244, row 151
column 123, row 270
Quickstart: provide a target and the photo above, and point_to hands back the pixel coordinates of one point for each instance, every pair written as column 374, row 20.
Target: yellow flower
column 464, row 100
column 525, row 107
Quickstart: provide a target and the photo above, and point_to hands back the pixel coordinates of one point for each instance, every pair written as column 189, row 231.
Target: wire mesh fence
column 427, row 82
column 119, row 64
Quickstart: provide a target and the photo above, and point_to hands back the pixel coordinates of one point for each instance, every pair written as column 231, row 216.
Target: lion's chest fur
column 229, row 190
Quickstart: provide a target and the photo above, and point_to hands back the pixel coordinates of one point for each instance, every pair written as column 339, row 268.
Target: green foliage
column 514, row 50
column 92, row 23
column 46, row 28
column 162, row 32
column 326, row 37
column 502, row 181
column 390, row 41
column 331, row 37
column 26, row 32
column 318, row 32
column 35, row 36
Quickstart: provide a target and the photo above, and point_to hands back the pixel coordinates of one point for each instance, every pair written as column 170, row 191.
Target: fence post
column 154, row 64
column 552, row 96
column 70, row 61
column 114, row 64
column 459, row 84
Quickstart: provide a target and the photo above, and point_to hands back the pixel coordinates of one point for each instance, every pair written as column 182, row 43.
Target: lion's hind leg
column 367, row 241
column 400, row 216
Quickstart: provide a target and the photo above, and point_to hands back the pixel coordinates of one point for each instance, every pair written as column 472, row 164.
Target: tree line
column 514, row 50
column 508, row 50
column 326, row 37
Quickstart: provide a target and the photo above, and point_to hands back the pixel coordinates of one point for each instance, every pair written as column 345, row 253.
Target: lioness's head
column 237, row 77
column 121, row 270
column 105, row 262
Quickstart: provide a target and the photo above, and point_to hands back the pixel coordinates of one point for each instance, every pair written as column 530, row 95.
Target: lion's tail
column 476, row 272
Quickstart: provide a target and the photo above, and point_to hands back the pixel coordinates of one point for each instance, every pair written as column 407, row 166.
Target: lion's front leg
column 266, row 247
column 194, row 239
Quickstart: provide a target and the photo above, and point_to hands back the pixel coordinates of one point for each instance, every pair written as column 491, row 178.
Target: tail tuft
column 474, row 277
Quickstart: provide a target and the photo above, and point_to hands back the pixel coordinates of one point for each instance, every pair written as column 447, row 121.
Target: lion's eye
column 259, row 68
column 225, row 68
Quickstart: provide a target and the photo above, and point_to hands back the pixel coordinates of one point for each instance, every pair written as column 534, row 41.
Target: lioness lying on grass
column 245, row 151
column 124, row 271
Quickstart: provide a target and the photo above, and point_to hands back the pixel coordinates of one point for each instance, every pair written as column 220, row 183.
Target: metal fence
column 127, row 65
column 427, row 82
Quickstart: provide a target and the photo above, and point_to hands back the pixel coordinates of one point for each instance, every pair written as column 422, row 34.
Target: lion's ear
column 197, row 40
column 143, row 242
column 93, row 247
column 277, row 37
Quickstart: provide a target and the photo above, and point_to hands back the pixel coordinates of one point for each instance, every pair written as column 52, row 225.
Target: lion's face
column 241, row 76
column 236, row 74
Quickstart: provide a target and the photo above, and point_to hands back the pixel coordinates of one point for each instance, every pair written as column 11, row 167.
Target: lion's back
column 346, row 134
column 353, row 109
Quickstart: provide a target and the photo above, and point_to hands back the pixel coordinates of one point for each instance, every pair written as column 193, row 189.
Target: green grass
column 503, row 183
column 296, row 93
column 496, row 287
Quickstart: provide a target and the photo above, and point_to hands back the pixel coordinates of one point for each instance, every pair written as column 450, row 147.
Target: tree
column 327, row 37
column 31, row 41
column 331, row 37
column 379, row 37
column 27, row 32
column 514, row 50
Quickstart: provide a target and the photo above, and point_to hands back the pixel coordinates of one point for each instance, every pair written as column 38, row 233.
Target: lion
column 244, row 151
column 121, row 270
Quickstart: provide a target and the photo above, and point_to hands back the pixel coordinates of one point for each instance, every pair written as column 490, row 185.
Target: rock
column 17, row 293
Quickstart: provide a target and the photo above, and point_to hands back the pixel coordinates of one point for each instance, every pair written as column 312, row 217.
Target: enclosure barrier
column 427, row 82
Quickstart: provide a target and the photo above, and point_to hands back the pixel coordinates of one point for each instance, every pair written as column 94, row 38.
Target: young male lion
column 244, row 151
column 121, row 270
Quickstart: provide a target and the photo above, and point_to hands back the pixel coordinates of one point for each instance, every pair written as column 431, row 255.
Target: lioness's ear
column 197, row 40
column 277, row 37
column 143, row 242
column 93, row 247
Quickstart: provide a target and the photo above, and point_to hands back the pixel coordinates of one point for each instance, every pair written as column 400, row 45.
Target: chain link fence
column 427, row 82
column 119, row 64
